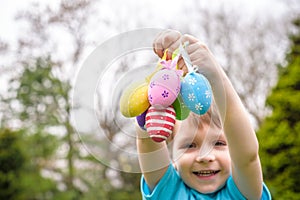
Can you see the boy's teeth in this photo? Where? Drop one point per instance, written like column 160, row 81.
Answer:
column 205, row 173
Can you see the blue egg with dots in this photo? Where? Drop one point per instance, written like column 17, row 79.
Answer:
column 196, row 93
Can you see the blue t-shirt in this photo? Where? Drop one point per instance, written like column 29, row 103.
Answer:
column 172, row 187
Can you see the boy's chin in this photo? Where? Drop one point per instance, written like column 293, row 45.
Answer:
column 209, row 188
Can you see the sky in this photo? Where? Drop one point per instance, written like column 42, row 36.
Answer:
column 9, row 29
column 8, row 9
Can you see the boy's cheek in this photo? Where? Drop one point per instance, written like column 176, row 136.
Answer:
column 176, row 154
column 180, row 157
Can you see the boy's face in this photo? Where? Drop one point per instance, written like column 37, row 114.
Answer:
column 204, row 169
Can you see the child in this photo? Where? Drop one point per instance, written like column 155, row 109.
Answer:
column 230, row 169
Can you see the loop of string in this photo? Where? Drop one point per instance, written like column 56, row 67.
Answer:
column 186, row 57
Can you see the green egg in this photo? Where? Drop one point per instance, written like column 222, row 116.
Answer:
column 182, row 111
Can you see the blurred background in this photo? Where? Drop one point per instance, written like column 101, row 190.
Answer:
column 43, row 44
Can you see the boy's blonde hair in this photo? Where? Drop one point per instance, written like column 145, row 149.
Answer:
column 211, row 118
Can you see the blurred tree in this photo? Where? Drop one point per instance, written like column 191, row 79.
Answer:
column 42, row 102
column 37, row 103
column 245, row 48
column 71, row 18
column 131, row 188
column 279, row 135
column 38, row 148
column 50, row 29
column 11, row 164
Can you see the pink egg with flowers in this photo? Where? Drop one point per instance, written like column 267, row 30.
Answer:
column 163, row 88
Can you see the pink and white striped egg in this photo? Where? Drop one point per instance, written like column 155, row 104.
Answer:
column 160, row 123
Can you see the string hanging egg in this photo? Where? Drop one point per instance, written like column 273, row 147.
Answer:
column 195, row 88
column 166, row 96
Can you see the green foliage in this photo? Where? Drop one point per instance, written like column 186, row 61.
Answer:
column 35, row 186
column 131, row 188
column 11, row 164
column 279, row 135
column 125, row 195
column 39, row 102
column 22, row 157
column 42, row 96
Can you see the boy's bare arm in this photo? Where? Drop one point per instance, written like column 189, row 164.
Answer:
column 242, row 141
column 153, row 158
column 243, row 145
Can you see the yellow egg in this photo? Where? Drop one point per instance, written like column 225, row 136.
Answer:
column 134, row 100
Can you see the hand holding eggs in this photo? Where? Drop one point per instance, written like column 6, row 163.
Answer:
column 164, row 97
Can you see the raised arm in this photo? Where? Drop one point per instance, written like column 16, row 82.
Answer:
column 242, row 141
column 153, row 158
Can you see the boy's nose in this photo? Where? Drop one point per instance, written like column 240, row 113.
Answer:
column 208, row 157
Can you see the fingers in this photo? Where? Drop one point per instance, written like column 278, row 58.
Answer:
column 181, row 65
column 194, row 43
column 172, row 42
column 198, row 52
column 157, row 45
column 169, row 39
column 188, row 38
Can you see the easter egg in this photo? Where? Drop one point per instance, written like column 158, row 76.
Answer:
column 196, row 93
column 134, row 100
column 141, row 120
column 182, row 111
column 163, row 88
column 160, row 123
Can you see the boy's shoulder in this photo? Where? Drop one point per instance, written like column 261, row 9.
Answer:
column 172, row 187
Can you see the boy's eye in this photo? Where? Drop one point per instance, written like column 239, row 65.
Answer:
column 190, row 146
column 220, row 143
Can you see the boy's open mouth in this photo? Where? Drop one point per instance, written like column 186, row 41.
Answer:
column 206, row 172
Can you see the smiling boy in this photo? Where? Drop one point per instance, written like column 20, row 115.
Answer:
column 215, row 156
column 205, row 170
